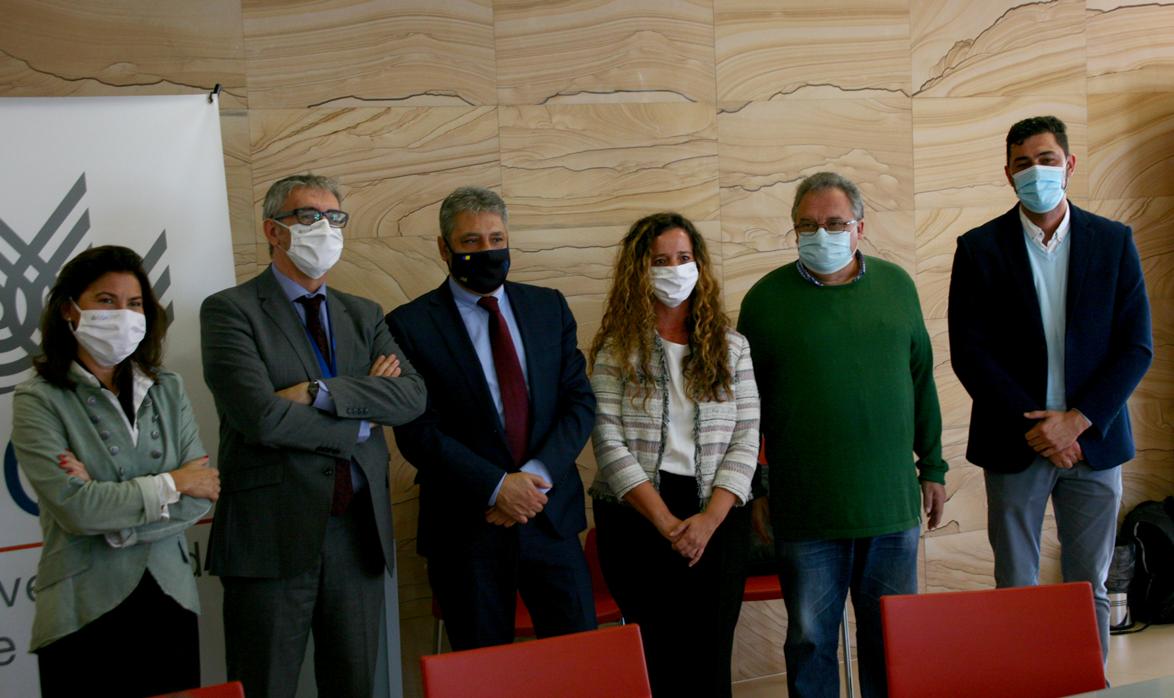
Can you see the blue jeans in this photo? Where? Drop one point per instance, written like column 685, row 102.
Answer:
column 1085, row 502
column 816, row 577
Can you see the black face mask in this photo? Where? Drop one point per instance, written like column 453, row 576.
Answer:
column 480, row 272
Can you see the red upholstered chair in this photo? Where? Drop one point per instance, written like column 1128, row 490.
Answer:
column 606, row 608
column 232, row 689
column 1028, row 642
column 604, row 662
column 762, row 587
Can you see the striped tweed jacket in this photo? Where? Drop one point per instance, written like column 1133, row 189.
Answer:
column 630, row 432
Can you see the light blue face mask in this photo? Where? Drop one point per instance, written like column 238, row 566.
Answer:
column 825, row 253
column 1040, row 188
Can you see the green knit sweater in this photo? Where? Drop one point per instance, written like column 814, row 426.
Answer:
column 845, row 376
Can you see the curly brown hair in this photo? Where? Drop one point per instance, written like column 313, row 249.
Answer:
column 629, row 322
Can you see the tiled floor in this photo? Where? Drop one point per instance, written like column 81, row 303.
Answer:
column 1138, row 657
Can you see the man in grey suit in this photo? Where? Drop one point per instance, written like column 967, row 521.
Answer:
column 303, row 377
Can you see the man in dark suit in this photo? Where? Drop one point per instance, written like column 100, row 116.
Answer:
column 1049, row 333
column 303, row 376
column 509, row 409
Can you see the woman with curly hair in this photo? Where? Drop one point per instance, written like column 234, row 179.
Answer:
column 676, row 441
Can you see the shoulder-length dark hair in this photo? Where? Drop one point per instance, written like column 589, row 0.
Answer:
column 58, row 345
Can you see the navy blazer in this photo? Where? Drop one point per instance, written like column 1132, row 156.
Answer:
column 458, row 445
column 997, row 344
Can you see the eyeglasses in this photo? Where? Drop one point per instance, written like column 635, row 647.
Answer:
column 310, row 216
column 834, row 225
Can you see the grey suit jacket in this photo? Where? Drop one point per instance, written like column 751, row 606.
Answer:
column 277, row 457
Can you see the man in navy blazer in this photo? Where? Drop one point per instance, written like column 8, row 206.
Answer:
column 509, row 410
column 1050, row 334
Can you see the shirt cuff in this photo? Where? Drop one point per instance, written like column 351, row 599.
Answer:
column 364, row 431
column 165, row 485
column 121, row 539
column 537, row 467
column 324, row 401
column 493, row 497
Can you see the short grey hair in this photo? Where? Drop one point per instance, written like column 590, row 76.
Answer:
column 469, row 200
column 830, row 180
column 280, row 191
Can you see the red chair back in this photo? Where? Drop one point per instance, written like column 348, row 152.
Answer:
column 606, row 608
column 1029, row 642
column 604, row 662
column 232, row 689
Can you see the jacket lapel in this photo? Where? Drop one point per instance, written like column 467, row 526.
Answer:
column 350, row 358
column 1079, row 243
column 451, row 329
column 1014, row 250
column 279, row 310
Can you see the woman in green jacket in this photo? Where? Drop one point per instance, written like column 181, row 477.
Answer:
column 108, row 441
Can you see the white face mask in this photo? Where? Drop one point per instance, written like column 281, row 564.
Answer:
column 109, row 336
column 314, row 249
column 672, row 286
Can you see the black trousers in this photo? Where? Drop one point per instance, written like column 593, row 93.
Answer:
column 477, row 591
column 687, row 615
column 146, row 645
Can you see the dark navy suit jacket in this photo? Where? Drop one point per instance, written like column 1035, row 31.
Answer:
column 458, row 446
column 997, row 344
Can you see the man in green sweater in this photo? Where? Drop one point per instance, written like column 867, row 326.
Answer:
column 845, row 374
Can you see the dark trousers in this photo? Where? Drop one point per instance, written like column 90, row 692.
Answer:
column 267, row 622
column 687, row 615
column 146, row 645
column 477, row 591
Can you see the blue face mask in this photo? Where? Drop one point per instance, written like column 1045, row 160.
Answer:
column 825, row 253
column 1040, row 188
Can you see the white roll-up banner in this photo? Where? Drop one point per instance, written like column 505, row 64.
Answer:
column 143, row 172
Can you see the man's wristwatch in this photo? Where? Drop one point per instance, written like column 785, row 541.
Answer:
column 312, row 390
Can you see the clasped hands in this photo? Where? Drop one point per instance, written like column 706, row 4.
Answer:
column 384, row 367
column 1054, row 436
column 520, row 499
column 689, row 536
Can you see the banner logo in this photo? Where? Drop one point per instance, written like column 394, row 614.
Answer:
column 28, row 268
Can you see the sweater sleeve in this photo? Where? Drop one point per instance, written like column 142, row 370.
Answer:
column 618, row 467
column 737, row 468
column 927, row 413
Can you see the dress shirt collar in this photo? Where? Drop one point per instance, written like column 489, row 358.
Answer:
column 292, row 289
column 806, row 273
column 465, row 297
column 1036, row 233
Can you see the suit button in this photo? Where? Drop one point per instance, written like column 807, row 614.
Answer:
column 328, row 471
column 103, row 435
column 94, row 419
column 114, row 450
column 156, row 454
column 154, row 434
column 91, row 400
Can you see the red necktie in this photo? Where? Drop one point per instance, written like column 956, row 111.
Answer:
column 344, row 489
column 510, row 382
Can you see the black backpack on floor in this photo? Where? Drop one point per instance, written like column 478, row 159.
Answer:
column 1150, row 526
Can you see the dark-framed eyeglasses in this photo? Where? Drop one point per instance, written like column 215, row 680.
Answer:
column 834, row 225
column 309, row 216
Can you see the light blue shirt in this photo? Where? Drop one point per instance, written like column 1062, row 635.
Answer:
column 1049, row 273
column 324, row 401
column 476, row 320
